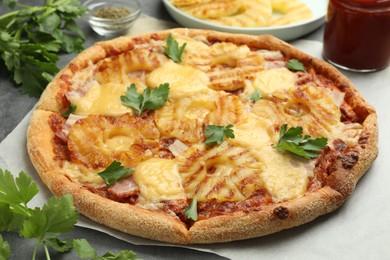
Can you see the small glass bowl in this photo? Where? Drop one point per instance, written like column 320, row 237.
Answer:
column 111, row 27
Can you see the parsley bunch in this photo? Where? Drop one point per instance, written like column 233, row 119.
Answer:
column 31, row 37
column 45, row 224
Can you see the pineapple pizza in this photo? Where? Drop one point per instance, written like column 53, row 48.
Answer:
column 193, row 136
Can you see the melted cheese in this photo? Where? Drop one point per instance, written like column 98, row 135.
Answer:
column 284, row 179
column 159, row 180
column 270, row 81
column 102, row 100
column 183, row 81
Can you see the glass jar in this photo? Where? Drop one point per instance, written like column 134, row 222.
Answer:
column 357, row 34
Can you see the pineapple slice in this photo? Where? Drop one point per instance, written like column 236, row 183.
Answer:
column 253, row 13
column 96, row 141
column 291, row 11
column 103, row 99
column 159, row 180
column 307, row 106
column 270, row 81
column 196, row 53
column 232, row 65
column 246, row 136
column 184, row 118
column 229, row 110
column 184, row 81
column 285, row 178
column 222, row 173
column 117, row 69
column 188, row 2
column 213, row 9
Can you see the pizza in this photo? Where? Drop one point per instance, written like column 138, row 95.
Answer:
column 193, row 136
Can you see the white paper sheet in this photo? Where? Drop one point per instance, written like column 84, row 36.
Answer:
column 360, row 229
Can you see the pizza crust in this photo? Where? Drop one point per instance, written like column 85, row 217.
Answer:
column 134, row 220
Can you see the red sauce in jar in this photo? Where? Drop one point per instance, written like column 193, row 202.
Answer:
column 357, row 34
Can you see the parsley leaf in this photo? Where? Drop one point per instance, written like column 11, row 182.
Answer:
column 305, row 146
column 70, row 110
column 57, row 216
column 255, row 95
column 114, row 172
column 17, row 193
column 215, row 134
column 84, row 249
column 151, row 99
column 191, row 212
column 5, row 249
column 295, row 65
column 172, row 50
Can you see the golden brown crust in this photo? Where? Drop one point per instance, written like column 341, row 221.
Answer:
column 339, row 184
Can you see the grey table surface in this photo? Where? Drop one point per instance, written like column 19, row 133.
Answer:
column 14, row 107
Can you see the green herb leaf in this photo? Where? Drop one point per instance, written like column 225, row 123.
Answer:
column 151, row 99
column 57, row 216
column 191, row 212
column 70, row 110
column 172, row 50
column 84, row 249
column 60, row 245
column 114, row 172
column 122, row 255
column 9, row 221
column 215, row 134
column 31, row 37
column 255, row 95
column 305, row 146
column 5, row 249
column 295, row 65
column 17, row 193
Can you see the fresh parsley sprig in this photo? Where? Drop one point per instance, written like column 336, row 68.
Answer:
column 45, row 224
column 172, row 50
column 151, row 99
column 31, row 37
column 191, row 212
column 70, row 110
column 114, row 172
column 255, row 95
column 296, row 65
column 305, row 146
column 215, row 134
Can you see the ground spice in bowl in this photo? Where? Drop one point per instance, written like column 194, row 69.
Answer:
column 112, row 12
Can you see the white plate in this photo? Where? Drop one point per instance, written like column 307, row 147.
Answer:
column 286, row 32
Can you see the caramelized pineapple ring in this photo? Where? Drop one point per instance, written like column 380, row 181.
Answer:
column 213, row 9
column 253, row 13
column 307, row 106
column 291, row 11
column 188, row 2
column 222, row 173
column 232, row 65
column 184, row 117
column 124, row 67
column 96, row 141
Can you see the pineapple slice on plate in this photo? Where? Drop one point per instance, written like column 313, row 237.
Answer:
column 253, row 13
column 213, row 9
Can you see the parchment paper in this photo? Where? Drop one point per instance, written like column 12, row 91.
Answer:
column 360, row 229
